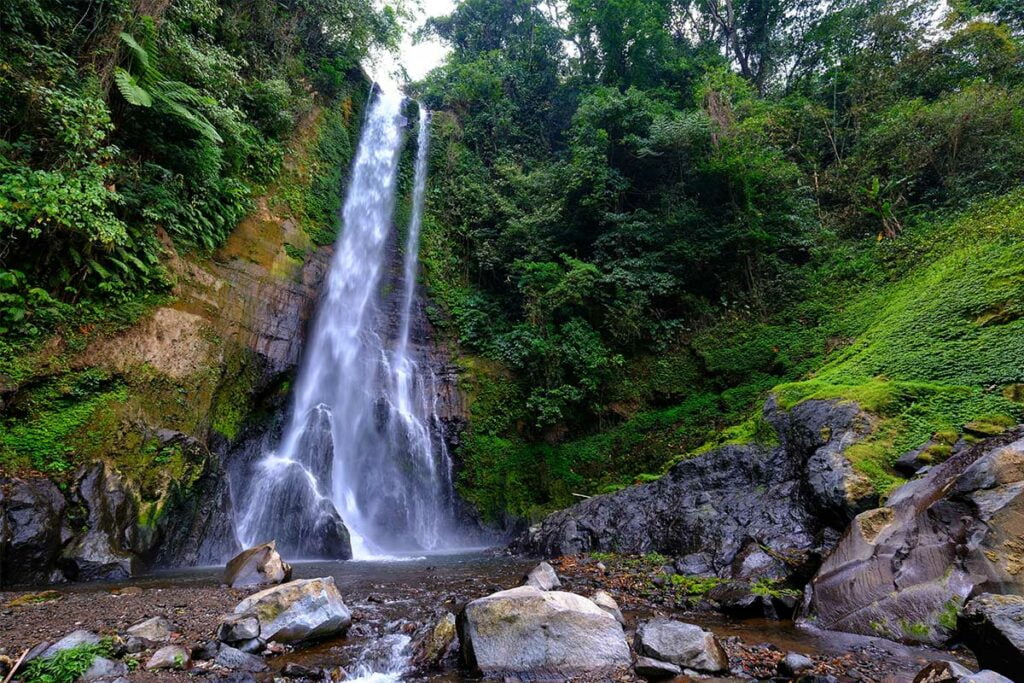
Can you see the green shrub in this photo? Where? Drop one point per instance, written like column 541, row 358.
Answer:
column 65, row 666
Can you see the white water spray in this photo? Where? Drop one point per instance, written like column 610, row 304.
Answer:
column 362, row 438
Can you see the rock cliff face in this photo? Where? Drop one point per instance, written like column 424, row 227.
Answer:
column 798, row 511
column 746, row 511
column 904, row 570
column 206, row 380
column 195, row 369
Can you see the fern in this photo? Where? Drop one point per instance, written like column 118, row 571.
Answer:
column 130, row 89
column 146, row 86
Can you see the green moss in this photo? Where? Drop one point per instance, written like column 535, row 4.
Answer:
column 294, row 252
column 685, row 585
column 989, row 425
column 39, row 429
column 770, row 588
column 915, row 630
column 34, row 598
column 234, row 398
column 949, row 614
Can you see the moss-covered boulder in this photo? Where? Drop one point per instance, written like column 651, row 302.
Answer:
column 302, row 610
column 31, row 530
column 904, row 570
column 527, row 630
column 745, row 511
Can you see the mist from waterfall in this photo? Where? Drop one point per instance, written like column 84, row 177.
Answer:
column 362, row 445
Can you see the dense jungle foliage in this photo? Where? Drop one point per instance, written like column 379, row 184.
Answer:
column 646, row 214
column 128, row 123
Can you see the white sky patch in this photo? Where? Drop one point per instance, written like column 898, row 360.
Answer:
column 412, row 61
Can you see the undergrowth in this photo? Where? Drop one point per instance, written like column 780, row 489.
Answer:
column 67, row 665
column 925, row 331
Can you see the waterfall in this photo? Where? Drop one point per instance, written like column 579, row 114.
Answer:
column 361, row 462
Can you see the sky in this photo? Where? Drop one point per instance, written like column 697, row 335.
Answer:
column 417, row 59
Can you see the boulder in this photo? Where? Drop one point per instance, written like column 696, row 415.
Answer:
column 795, row 663
column 993, row 627
column 196, row 523
column 71, row 640
column 237, row 627
column 257, row 566
column 438, row 642
column 685, row 645
column 543, row 577
column 232, row 658
column 205, row 651
column 653, row 669
column 608, row 604
column 32, row 530
column 153, row 630
column 170, row 657
column 293, row 670
column 952, row 672
column 942, row 672
column 105, row 549
column 794, row 499
column 103, row 669
column 525, row 630
column 133, row 645
column 252, row 645
column 903, row 570
column 300, row 610
column 985, row 676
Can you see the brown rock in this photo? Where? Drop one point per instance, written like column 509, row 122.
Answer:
column 257, row 566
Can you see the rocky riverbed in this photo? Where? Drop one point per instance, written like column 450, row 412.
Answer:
column 396, row 606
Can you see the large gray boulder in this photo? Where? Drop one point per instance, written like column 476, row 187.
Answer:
column 103, row 669
column 685, row 645
column 235, row 659
column 527, row 630
column 153, row 630
column 305, row 609
column 105, row 549
column 32, row 530
column 993, row 627
column 606, row 602
column 69, row 642
column 170, row 657
column 904, row 570
column 719, row 511
column 543, row 576
column 257, row 566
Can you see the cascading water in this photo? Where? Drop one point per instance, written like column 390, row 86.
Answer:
column 362, row 438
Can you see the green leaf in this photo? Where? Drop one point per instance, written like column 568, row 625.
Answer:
column 140, row 52
column 130, row 89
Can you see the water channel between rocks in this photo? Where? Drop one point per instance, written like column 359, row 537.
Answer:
column 390, row 601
